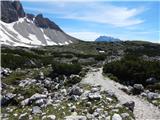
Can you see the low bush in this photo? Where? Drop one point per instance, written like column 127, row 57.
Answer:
column 66, row 69
column 131, row 70
column 28, row 91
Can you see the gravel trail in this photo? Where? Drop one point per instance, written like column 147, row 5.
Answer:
column 143, row 110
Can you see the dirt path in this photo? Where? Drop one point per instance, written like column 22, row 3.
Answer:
column 143, row 110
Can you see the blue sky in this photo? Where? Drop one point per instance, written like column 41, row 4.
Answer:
column 127, row 20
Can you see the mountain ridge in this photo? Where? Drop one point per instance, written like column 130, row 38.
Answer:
column 107, row 39
column 24, row 29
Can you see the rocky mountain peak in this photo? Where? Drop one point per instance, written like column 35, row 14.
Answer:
column 107, row 39
column 18, row 7
column 11, row 11
column 42, row 22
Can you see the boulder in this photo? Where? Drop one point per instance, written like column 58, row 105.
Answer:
column 138, row 88
column 36, row 110
column 40, row 102
column 152, row 96
column 76, row 91
column 130, row 105
column 37, row 96
column 116, row 117
column 94, row 96
column 151, row 80
column 7, row 99
column 75, row 117
column 25, row 102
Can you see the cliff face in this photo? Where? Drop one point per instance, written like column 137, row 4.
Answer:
column 11, row 11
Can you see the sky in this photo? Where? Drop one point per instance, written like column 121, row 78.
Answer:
column 126, row 20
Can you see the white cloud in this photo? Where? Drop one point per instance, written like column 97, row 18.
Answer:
column 107, row 14
column 98, row 12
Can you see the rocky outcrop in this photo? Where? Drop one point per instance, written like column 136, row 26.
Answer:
column 18, row 7
column 11, row 11
column 42, row 22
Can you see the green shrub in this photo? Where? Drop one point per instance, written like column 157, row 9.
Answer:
column 100, row 57
column 14, row 77
column 73, row 80
column 28, row 91
column 66, row 69
column 133, row 70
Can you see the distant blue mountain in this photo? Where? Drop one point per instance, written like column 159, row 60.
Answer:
column 107, row 39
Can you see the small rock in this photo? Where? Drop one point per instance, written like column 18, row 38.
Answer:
column 37, row 96
column 76, row 91
column 94, row 89
column 75, row 117
column 40, row 102
column 116, row 117
column 94, row 96
column 22, row 116
column 25, row 102
column 130, row 105
column 152, row 96
column 51, row 117
column 125, row 115
column 151, row 80
column 36, row 110
column 138, row 88
column 6, row 99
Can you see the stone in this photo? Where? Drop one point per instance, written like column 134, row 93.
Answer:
column 96, row 114
column 37, row 96
column 51, row 117
column 94, row 96
column 6, row 99
column 152, row 96
column 143, row 94
column 40, row 102
column 151, row 80
column 124, row 115
column 130, row 105
column 138, row 88
column 88, row 104
column 36, row 110
column 41, row 75
column 25, row 102
column 73, row 108
column 116, row 117
column 76, row 91
column 77, row 117
column 94, row 89
column 74, row 97
column 22, row 116
column 26, row 82
column 110, row 93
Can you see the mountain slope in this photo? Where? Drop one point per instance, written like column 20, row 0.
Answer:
column 107, row 39
column 21, row 29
